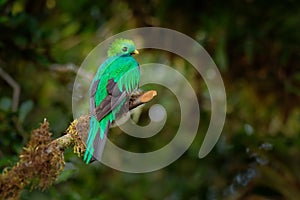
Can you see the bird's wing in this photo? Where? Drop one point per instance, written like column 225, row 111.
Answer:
column 111, row 101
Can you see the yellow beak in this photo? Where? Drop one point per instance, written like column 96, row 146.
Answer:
column 136, row 52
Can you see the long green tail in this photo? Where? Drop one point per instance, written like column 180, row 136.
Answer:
column 99, row 129
column 95, row 128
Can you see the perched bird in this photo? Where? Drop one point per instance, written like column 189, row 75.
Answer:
column 117, row 77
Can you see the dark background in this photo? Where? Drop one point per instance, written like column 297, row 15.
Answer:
column 254, row 43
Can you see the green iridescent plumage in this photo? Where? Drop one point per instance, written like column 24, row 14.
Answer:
column 115, row 79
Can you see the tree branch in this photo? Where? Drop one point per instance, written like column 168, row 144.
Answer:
column 15, row 86
column 42, row 160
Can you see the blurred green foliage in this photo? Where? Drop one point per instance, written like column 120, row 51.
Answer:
column 256, row 47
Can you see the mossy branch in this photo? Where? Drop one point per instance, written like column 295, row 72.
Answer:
column 42, row 159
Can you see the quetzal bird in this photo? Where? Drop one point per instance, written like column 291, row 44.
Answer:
column 117, row 77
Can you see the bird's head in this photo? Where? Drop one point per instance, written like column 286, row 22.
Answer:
column 121, row 47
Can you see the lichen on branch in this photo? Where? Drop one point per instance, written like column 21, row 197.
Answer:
column 39, row 164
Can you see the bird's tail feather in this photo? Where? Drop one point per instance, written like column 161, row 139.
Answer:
column 99, row 142
column 96, row 138
column 94, row 128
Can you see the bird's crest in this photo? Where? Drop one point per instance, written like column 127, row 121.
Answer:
column 120, row 47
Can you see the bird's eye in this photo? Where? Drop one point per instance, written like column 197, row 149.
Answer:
column 124, row 49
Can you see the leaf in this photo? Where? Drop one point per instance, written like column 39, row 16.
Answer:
column 5, row 103
column 2, row 2
column 221, row 54
column 68, row 172
column 25, row 108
